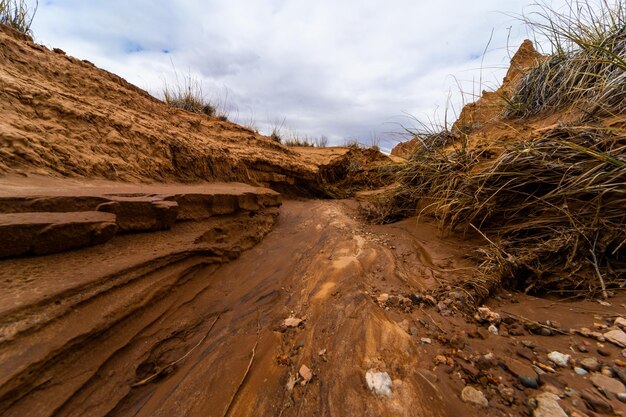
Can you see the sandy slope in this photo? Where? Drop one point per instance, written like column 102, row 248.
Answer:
column 62, row 116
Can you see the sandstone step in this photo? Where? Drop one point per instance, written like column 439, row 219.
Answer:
column 138, row 207
column 44, row 233
column 141, row 213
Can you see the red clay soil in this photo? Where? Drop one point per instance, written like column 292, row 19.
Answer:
column 189, row 335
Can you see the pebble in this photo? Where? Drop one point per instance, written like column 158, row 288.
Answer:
column 544, row 331
column 493, row 329
column 383, row 298
column 379, row 382
column 426, row 340
column 617, row 337
column 548, row 406
column 606, row 370
column 484, row 314
column 474, row 396
column 620, row 322
column 559, row 359
column 292, row 322
column 413, row 330
column 529, row 382
column 580, row 371
column 590, row 364
column 306, row 374
column 622, row 397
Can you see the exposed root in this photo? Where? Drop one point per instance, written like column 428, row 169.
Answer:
column 163, row 370
column 245, row 375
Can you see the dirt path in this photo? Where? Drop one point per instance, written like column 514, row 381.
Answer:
column 215, row 343
column 318, row 264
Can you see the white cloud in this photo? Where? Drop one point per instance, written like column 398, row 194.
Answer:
column 340, row 68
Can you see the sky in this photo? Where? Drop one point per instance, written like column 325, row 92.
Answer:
column 345, row 69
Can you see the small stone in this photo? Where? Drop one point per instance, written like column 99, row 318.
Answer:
column 291, row 383
column 548, row 406
column 582, row 348
column 306, row 374
column 474, row 396
column 529, row 344
column 590, row 364
column 383, row 298
column 484, row 314
column 394, row 300
column 603, row 352
column 529, row 382
column 292, row 322
column 580, row 371
column 620, row 322
column 379, row 382
column 413, row 330
column 493, row 329
column 607, row 371
column 559, row 359
column 622, row 397
column 426, row 340
column 606, row 384
column 544, row 331
column 321, row 352
column 507, row 394
column 617, row 337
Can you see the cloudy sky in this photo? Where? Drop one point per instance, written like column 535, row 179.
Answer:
column 340, row 68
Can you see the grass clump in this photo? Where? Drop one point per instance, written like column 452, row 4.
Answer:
column 188, row 95
column 17, row 14
column 305, row 141
column 552, row 209
column 587, row 66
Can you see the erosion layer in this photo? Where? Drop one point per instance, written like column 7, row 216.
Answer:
column 64, row 117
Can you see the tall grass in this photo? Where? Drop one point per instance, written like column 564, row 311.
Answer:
column 551, row 208
column 17, row 14
column 587, row 64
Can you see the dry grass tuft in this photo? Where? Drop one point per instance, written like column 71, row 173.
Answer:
column 17, row 14
column 588, row 64
column 188, row 95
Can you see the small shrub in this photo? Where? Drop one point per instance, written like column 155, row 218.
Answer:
column 16, row 14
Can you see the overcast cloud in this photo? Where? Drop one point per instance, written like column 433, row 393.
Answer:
column 340, row 68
